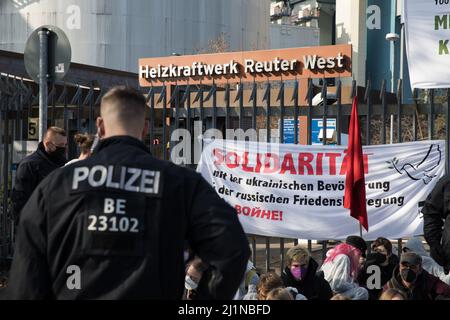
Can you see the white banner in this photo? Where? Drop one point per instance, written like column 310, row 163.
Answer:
column 427, row 24
column 294, row 191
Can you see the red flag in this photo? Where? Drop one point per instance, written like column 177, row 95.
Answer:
column 355, row 185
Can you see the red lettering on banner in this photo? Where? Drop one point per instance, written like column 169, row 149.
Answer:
column 304, row 160
column 332, row 163
column 228, row 160
column 276, row 163
column 288, row 164
column 258, row 163
column 256, row 212
column 307, row 163
column 219, row 156
column 319, row 168
column 245, row 166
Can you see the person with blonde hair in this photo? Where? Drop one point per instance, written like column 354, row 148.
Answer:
column 279, row 294
column 300, row 273
column 340, row 297
column 393, row 294
column 267, row 282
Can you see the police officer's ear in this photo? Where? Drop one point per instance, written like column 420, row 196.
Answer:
column 100, row 127
column 146, row 129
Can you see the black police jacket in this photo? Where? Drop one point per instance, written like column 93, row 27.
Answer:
column 437, row 222
column 30, row 172
column 114, row 227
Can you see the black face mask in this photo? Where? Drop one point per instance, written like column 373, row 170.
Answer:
column 408, row 275
column 59, row 152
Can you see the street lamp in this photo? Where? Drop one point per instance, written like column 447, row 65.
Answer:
column 392, row 37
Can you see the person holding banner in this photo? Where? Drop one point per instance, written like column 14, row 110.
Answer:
column 342, row 266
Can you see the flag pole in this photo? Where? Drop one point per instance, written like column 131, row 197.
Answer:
column 360, row 230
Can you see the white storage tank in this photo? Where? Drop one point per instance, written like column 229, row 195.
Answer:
column 116, row 33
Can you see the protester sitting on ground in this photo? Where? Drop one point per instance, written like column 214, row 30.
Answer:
column 84, row 142
column 342, row 266
column 267, row 282
column 279, row 294
column 366, row 279
column 384, row 246
column 428, row 263
column 416, row 282
column 251, row 277
column 393, row 294
column 300, row 273
column 194, row 274
column 340, row 297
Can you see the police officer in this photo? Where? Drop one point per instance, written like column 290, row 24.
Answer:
column 114, row 226
column 436, row 223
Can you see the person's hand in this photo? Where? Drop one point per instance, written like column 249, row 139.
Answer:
column 438, row 254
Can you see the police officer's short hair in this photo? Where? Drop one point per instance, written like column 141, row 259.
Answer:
column 130, row 104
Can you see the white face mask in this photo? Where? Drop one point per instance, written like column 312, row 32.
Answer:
column 190, row 284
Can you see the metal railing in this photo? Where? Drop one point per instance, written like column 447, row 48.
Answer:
column 250, row 106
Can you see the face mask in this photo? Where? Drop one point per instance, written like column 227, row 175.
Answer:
column 408, row 275
column 298, row 272
column 190, row 284
column 59, row 152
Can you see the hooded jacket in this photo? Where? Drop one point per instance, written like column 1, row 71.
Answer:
column 311, row 286
column 119, row 221
column 428, row 263
column 426, row 287
column 337, row 274
column 30, row 172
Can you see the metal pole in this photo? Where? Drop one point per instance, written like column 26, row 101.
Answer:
column 43, row 78
column 391, row 133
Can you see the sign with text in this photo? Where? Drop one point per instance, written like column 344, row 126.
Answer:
column 427, row 24
column 311, row 62
column 317, row 131
column 33, row 128
column 295, row 191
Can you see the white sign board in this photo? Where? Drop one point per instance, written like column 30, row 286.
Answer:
column 427, row 24
column 294, row 191
column 21, row 149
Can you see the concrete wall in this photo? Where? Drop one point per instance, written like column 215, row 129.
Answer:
column 115, row 33
column 326, row 23
column 289, row 36
column 351, row 29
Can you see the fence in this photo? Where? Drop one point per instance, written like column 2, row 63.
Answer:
column 249, row 106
